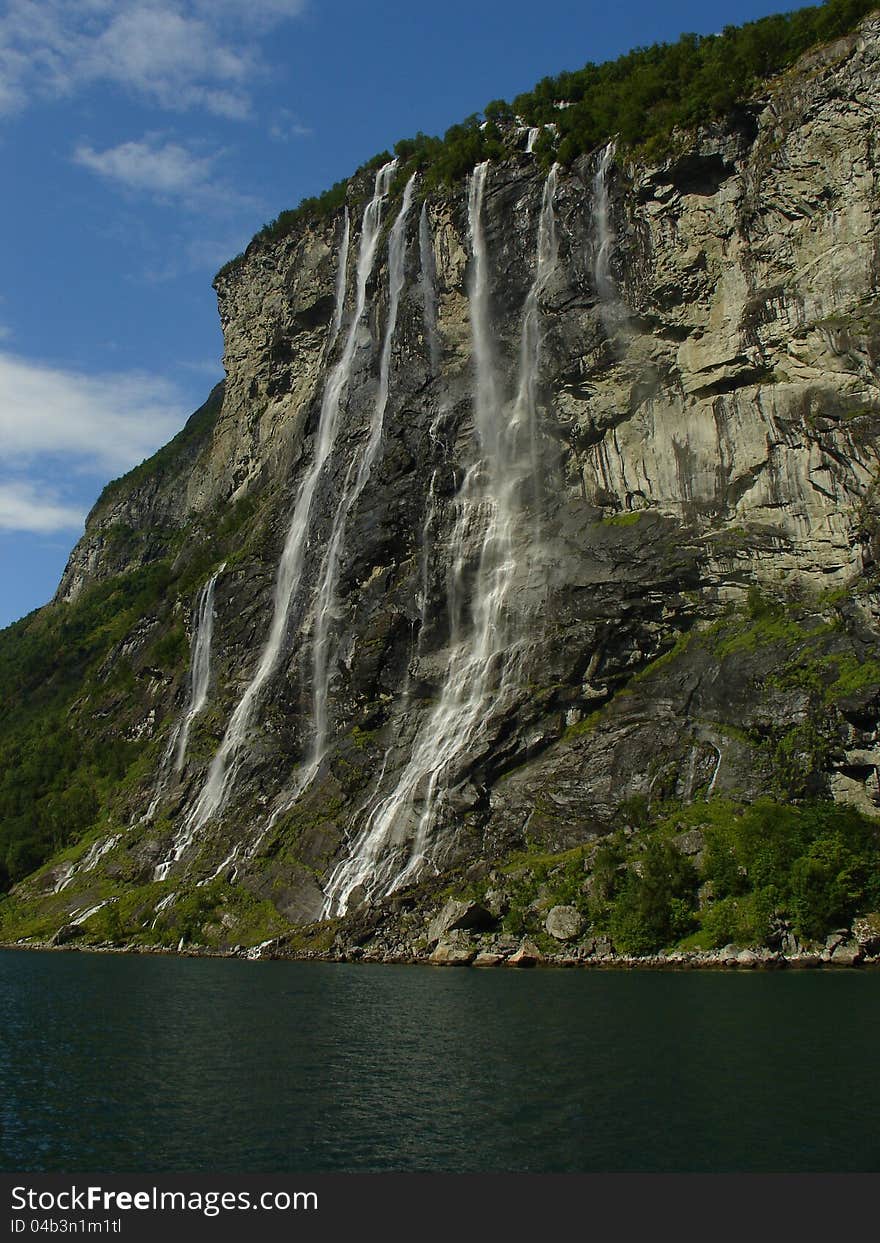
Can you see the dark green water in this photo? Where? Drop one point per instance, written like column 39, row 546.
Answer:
column 123, row 1064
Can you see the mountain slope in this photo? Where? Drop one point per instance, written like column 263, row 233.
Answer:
column 530, row 510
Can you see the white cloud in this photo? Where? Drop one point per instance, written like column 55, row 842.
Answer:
column 96, row 424
column 171, row 57
column 168, row 172
column 179, row 54
column 285, row 127
column 25, row 506
column 169, row 169
column 64, row 434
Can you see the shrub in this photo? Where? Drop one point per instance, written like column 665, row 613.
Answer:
column 654, row 906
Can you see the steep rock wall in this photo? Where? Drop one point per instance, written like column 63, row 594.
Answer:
column 708, row 415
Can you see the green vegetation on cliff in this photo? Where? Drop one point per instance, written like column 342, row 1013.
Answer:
column 171, row 456
column 640, row 99
column 703, row 876
column 67, row 681
column 60, row 770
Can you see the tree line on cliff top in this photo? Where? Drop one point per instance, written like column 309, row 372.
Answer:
column 640, row 99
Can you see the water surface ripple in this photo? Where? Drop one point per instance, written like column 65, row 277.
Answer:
column 138, row 1064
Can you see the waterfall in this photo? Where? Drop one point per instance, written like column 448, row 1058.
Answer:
column 605, row 240
column 428, row 282
column 89, row 860
column 525, row 420
column 200, row 666
column 199, row 679
column 323, row 648
column 532, row 138
column 224, row 766
column 488, row 634
column 341, row 279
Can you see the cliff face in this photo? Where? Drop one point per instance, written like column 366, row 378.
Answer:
column 573, row 495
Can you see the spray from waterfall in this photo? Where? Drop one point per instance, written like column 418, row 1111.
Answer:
column 489, row 610
column 227, row 759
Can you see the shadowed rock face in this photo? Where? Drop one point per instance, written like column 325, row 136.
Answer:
column 708, row 421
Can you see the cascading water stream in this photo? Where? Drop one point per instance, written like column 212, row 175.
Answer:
column 488, row 639
column 200, row 666
column 224, row 766
column 341, row 279
column 428, row 283
column 199, row 681
column 323, row 647
column 525, row 420
column 605, row 240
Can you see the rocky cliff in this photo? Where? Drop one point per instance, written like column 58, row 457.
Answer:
column 528, row 511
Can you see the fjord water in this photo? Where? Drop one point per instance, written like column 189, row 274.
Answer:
column 124, row 1064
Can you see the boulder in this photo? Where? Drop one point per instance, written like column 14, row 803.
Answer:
column 496, row 902
column 847, row 955
column 690, row 843
column 453, row 953
column 747, row 958
column 805, row 960
column 457, row 915
column 486, row 958
column 564, row 923
column 528, row 955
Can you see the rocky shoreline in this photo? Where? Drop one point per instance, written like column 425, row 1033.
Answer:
column 526, row 956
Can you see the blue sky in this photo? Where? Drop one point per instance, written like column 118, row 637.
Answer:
column 145, row 141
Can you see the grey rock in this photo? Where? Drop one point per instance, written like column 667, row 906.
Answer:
column 564, row 923
column 460, row 915
column 747, row 958
column 457, row 953
column 485, row 958
column 528, row 955
column 690, row 843
column 847, row 954
column 496, row 902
